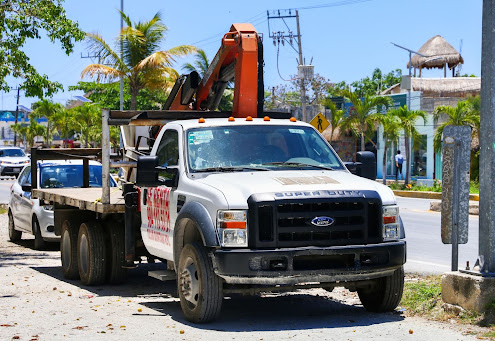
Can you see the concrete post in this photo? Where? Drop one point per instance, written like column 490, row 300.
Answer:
column 487, row 141
column 105, row 156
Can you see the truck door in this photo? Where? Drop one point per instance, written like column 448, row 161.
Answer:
column 159, row 209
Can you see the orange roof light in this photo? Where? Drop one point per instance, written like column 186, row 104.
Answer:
column 231, row 119
column 266, row 118
column 249, row 118
column 293, row 119
column 201, row 120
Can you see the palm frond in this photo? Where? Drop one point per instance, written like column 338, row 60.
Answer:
column 107, row 72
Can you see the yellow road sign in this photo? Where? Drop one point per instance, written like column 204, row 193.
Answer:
column 320, row 122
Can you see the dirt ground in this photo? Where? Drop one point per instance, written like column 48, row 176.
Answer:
column 37, row 303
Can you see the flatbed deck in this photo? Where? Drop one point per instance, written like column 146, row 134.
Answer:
column 83, row 198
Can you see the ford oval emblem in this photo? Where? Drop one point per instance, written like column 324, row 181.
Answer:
column 322, row 221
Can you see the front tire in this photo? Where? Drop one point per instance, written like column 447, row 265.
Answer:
column 385, row 294
column 68, row 250
column 39, row 243
column 14, row 235
column 91, row 253
column 200, row 289
column 117, row 273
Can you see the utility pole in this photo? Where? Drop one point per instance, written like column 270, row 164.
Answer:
column 16, row 113
column 121, row 55
column 303, row 71
column 487, row 140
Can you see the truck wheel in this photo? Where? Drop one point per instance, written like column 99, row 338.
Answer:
column 116, row 254
column 39, row 243
column 385, row 294
column 91, row 253
column 200, row 289
column 68, row 250
column 14, row 235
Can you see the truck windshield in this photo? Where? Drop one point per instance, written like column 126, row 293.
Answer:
column 260, row 147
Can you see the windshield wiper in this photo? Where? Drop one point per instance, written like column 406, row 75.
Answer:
column 296, row 164
column 229, row 169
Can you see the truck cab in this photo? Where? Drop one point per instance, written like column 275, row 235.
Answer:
column 250, row 204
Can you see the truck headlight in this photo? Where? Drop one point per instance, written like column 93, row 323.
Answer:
column 391, row 226
column 232, row 228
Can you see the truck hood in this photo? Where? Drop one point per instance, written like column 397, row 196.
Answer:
column 238, row 187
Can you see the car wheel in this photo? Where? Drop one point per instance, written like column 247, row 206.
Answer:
column 91, row 253
column 385, row 294
column 68, row 250
column 200, row 289
column 39, row 243
column 14, row 235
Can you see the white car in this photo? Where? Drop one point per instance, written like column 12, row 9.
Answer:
column 12, row 160
column 27, row 215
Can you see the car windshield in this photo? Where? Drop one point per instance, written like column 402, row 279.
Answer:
column 11, row 152
column 261, row 147
column 58, row 176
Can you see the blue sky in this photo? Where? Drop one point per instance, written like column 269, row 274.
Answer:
column 344, row 42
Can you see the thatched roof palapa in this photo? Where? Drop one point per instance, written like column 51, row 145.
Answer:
column 438, row 52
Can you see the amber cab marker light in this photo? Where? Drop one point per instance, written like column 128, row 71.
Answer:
column 293, row 119
column 201, row 120
column 249, row 118
column 231, row 119
column 266, row 118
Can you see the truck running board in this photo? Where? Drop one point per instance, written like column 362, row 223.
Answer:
column 163, row 275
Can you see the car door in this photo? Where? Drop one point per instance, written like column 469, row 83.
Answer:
column 25, row 202
column 160, row 203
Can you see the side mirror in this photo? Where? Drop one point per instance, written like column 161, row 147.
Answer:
column 147, row 173
column 365, row 165
column 26, row 187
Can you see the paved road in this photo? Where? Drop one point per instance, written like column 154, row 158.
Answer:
column 425, row 251
column 5, row 183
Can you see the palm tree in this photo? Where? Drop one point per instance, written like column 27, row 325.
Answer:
column 48, row 109
column 464, row 114
column 408, row 120
column 391, row 131
column 337, row 118
column 88, row 121
column 64, row 122
column 27, row 133
column 142, row 63
column 361, row 120
column 200, row 65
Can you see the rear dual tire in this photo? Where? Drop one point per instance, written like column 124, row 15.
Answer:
column 91, row 252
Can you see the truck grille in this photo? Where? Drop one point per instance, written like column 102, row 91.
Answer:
column 287, row 222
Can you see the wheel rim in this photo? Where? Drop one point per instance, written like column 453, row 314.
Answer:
column 66, row 249
column 189, row 282
column 84, row 253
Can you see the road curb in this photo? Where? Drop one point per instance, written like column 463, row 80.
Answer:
column 429, row 195
column 474, row 207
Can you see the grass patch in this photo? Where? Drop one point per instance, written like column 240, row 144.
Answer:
column 3, row 210
column 474, row 187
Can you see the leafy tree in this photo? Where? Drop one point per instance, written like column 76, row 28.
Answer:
column 200, row 65
column 378, row 82
column 48, row 109
column 408, row 120
column 21, row 20
column 464, row 114
column 107, row 95
column 361, row 119
column 391, row 131
column 142, row 64
column 337, row 119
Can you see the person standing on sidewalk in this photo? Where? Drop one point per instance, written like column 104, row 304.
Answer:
column 399, row 160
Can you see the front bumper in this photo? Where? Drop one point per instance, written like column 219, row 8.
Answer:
column 11, row 169
column 291, row 266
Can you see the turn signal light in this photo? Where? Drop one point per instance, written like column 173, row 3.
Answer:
column 233, row 225
column 389, row 220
